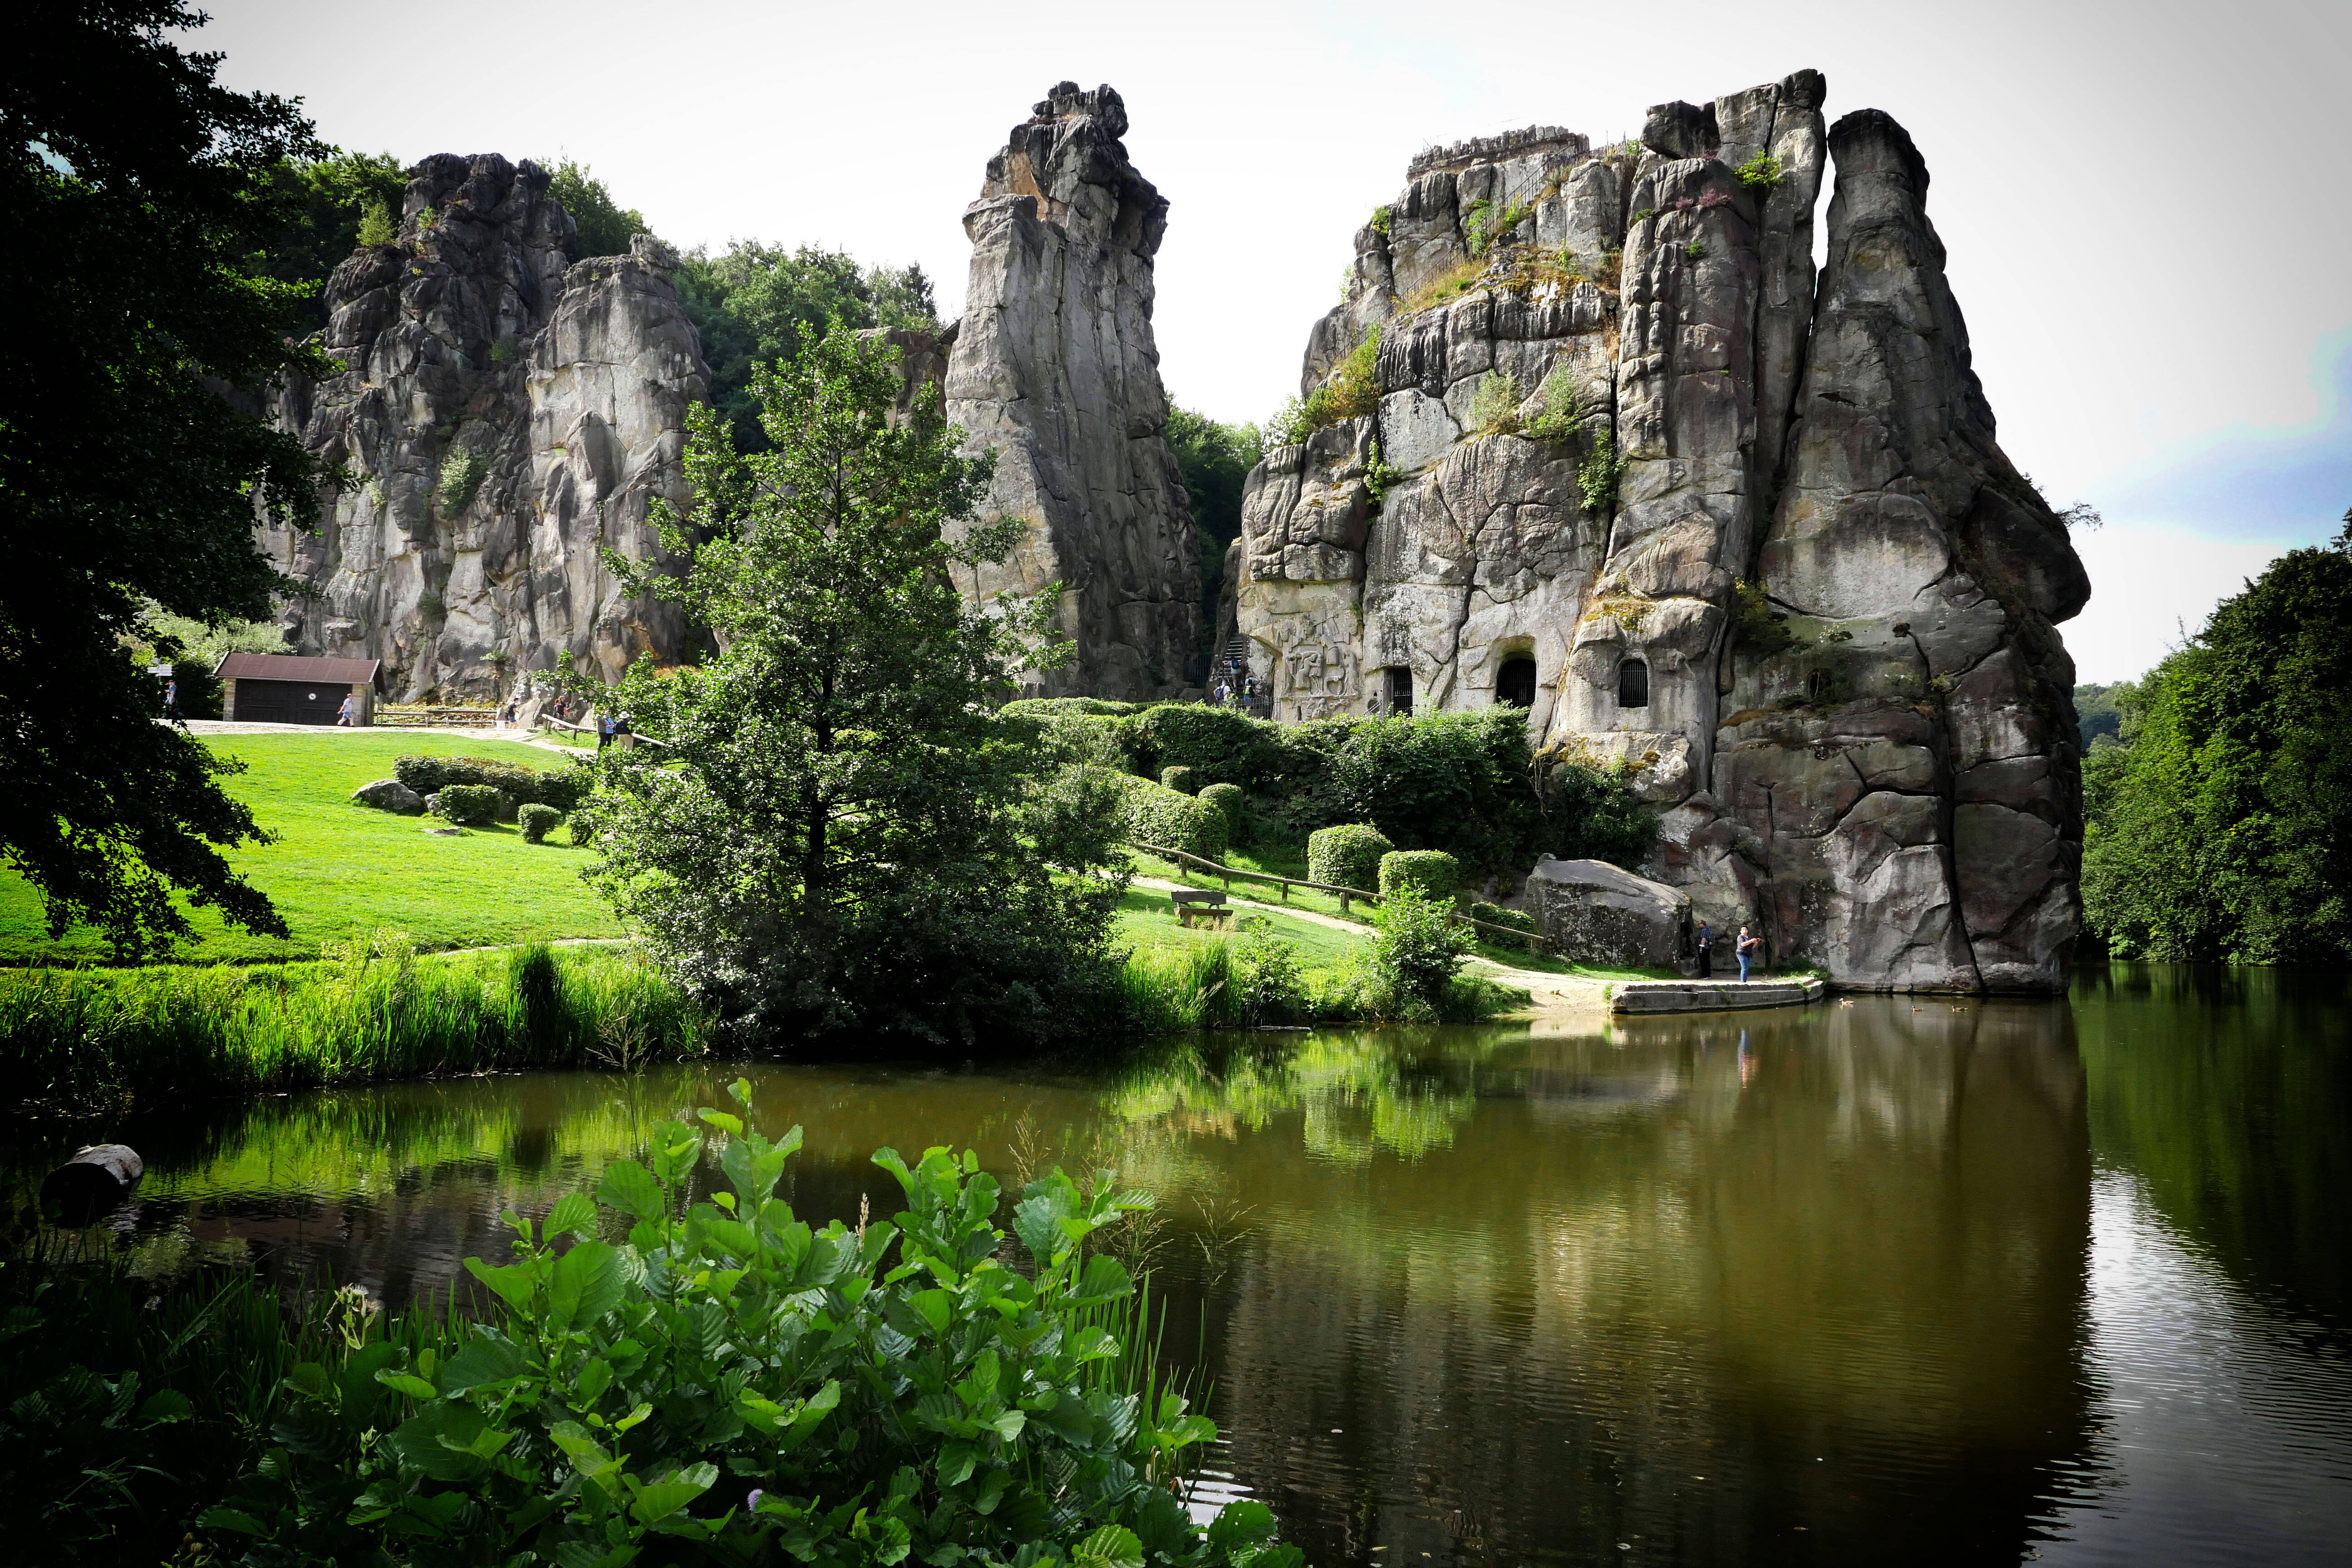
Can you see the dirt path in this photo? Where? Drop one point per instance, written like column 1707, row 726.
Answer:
column 1548, row 993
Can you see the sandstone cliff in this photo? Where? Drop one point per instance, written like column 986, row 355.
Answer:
column 1745, row 532
column 507, row 414
column 1054, row 365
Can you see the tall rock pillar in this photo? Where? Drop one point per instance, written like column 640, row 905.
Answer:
column 1054, row 366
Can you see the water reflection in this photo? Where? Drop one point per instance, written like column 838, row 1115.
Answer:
column 1881, row 1279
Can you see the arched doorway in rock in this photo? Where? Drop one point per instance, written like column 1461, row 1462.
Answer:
column 1632, row 684
column 1515, row 683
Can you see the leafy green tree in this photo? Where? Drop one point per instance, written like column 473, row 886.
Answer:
column 144, row 190
column 1215, row 461
column 1417, row 948
column 337, row 202
column 840, row 833
column 605, row 228
column 760, row 303
column 2221, row 826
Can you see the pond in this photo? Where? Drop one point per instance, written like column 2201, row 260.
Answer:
column 1888, row 1279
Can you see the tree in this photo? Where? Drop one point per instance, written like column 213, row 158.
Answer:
column 604, row 226
column 339, row 203
column 1214, row 461
column 2221, row 825
column 145, row 191
column 759, row 303
column 839, row 832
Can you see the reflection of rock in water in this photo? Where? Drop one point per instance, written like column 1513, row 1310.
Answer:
column 1847, row 1292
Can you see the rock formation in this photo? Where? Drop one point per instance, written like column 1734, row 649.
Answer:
column 1054, row 365
column 1747, row 533
column 507, row 414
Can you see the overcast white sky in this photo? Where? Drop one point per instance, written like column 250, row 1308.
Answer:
column 2143, row 202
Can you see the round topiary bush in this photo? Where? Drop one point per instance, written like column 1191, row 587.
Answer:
column 1346, row 857
column 537, row 820
column 1434, row 871
column 1179, row 778
column 470, row 806
column 1229, row 799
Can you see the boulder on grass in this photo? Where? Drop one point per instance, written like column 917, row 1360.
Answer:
column 390, row 794
column 1592, row 913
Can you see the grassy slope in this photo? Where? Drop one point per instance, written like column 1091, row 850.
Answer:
column 1146, row 922
column 1509, row 955
column 342, row 869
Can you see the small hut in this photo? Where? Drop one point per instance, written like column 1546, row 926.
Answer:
column 289, row 688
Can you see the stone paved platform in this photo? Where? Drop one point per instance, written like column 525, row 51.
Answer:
column 1713, row 995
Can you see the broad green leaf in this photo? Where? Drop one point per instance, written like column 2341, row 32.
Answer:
column 933, row 1307
column 437, row 1441
column 1112, row 1546
column 514, row 1283
column 586, row 1285
column 1106, row 1280
column 575, row 1213
column 594, row 1379
column 657, row 1500
column 488, row 1357
column 1009, row 1424
column 1242, row 1524
column 307, row 1377
column 956, row 1464
column 631, row 1188
column 405, row 1382
column 170, row 1404
column 731, row 1125
column 218, row 1517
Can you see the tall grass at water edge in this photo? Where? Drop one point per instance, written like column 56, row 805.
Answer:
column 374, row 1009
column 1217, row 985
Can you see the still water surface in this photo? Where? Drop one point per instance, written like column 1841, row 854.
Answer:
column 1882, row 1281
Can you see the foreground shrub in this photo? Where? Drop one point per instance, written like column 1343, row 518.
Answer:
column 1179, row 779
column 1417, row 947
column 564, row 789
column 475, row 805
column 1434, row 871
column 727, row 1384
column 1154, row 814
column 537, row 820
column 1347, row 856
column 1229, row 799
column 1496, row 915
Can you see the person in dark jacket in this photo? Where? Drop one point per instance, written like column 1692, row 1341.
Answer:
column 1705, row 951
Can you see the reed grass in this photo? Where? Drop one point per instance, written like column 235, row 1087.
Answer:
column 374, row 1010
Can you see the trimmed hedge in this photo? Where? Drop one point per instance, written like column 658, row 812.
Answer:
column 536, row 821
column 1154, row 814
column 472, row 805
column 1434, row 871
column 1179, row 779
column 1229, row 799
column 564, row 790
column 1496, row 915
column 1347, row 856
column 1038, row 707
column 1221, row 745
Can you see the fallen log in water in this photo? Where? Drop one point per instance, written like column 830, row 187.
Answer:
column 88, row 1186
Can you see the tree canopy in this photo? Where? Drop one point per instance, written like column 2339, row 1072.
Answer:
column 2221, row 827
column 146, row 192
column 336, row 204
column 757, row 304
column 604, row 226
column 839, row 832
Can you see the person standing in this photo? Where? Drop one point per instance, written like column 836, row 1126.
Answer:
column 172, row 698
column 1749, row 947
column 1705, row 951
column 347, row 716
column 603, row 731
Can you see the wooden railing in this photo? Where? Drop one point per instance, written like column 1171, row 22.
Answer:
column 1532, row 940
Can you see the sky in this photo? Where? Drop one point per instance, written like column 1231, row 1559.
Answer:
column 2140, row 201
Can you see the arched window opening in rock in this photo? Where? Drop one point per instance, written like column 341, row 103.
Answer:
column 1817, row 685
column 1516, row 683
column 1399, row 688
column 1632, row 684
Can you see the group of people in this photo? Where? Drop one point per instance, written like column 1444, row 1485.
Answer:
column 1236, row 687
column 1750, row 948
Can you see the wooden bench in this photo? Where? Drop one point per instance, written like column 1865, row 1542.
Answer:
column 1199, row 904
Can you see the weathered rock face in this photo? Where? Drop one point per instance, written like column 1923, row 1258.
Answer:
column 508, row 415
column 1592, row 913
column 1869, row 749
column 1054, row 365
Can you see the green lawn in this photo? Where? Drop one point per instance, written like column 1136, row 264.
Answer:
column 342, row 869
column 1147, row 922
